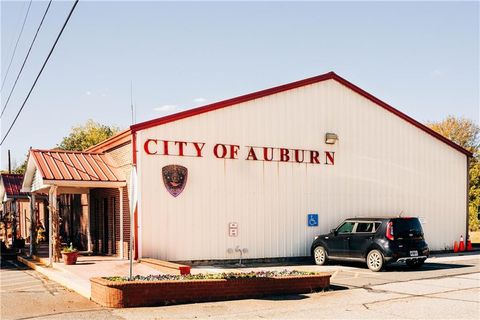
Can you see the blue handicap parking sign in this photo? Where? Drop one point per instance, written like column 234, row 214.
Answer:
column 312, row 220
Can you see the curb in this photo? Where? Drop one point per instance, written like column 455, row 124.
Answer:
column 62, row 277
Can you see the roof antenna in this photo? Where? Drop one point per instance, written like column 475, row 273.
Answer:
column 131, row 102
column 400, row 214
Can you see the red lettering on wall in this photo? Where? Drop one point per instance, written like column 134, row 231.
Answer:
column 297, row 155
column 165, row 147
column 198, row 147
column 329, row 157
column 146, row 146
column 180, row 147
column 284, row 157
column 314, row 156
column 234, row 151
column 224, row 150
column 265, row 154
column 251, row 154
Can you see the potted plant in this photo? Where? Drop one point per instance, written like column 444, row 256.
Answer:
column 69, row 254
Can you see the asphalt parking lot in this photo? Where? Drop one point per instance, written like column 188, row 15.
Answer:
column 357, row 275
column 446, row 287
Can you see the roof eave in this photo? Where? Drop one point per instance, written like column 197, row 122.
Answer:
column 289, row 86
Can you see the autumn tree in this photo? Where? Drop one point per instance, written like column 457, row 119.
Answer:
column 84, row 136
column 465, row 133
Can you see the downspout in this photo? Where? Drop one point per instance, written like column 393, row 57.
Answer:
column 33, row 225
column 135, row 214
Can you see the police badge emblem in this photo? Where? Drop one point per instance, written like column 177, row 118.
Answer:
column 174, row 178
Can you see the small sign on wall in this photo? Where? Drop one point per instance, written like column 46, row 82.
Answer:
column 312, row 219
column 233, row 229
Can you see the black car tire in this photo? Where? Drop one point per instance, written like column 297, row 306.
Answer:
column 319, row 255
column 415, row 264
column 375, row 260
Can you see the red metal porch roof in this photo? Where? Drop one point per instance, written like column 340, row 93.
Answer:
column 12, row 184
column 75, row 166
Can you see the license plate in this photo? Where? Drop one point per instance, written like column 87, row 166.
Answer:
column 414, row 253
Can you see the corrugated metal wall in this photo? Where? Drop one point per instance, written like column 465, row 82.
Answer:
column 383, row 166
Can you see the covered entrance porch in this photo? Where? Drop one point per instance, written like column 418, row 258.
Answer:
column 87, row 201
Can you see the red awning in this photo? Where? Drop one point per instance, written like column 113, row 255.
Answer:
column 76, row 166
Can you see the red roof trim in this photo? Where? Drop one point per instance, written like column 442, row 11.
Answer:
column 229, row 102
column 260, row 94
column 112, row 142
column 401, row 115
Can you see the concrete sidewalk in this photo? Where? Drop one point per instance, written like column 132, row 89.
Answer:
column 77, row 277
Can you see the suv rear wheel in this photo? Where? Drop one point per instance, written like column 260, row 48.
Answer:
column 320, row 255
column 375, row 260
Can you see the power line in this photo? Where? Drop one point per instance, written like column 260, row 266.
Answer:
column 16, row 44
column 25, row 60
column 40, row 72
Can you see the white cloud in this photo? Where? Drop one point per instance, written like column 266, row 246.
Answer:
column 199, row 100
column 166, row 108
column 437, row 73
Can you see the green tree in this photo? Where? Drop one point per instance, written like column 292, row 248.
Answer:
column 465, row 133
column 83, row 136
column 21, row 168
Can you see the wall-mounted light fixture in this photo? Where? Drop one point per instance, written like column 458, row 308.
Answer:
column 331, row 138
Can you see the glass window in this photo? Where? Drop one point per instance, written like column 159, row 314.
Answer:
column 347, row 227
column 364, row 227
column 407, row 227
column 377, row 225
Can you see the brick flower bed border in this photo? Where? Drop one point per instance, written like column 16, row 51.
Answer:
column 121, row 294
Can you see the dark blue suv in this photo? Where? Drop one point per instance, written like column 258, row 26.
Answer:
column 376, row 241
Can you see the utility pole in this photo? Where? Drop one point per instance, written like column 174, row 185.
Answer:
column 9, row 162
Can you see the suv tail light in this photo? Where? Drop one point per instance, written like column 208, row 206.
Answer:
column 389, row 232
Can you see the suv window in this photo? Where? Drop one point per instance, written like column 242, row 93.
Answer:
column 364, row 227
column 407, row 228
column 347, row 227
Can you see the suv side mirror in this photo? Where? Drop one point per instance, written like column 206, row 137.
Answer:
column 335, row 232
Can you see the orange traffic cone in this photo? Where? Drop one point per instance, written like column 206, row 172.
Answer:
column 469, row 244
column 461, row 246
column 455, row 246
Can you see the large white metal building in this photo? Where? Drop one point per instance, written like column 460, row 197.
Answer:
column 247, row 172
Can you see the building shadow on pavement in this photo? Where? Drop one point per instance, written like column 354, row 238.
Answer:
column 402, row 267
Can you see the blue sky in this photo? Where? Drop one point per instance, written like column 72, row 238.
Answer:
column 420, row 57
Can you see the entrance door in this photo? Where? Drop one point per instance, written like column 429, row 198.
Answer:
column 105, row 227
column 361, row 239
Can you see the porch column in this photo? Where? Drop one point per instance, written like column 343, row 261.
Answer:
column 14, row 220
column 33, row 225
column 89, row 236
column 121, row 222
column 52, row 212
